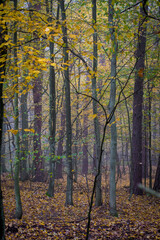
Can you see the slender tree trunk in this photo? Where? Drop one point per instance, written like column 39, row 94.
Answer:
column 144, row 153
column 38, row 159
column 137, row 105
column 52, row 117
column 94, row 95
column 123, row 159
column 60, row 147
column 150, row 134
column 77, row 129
column 18, row 213
column 24, row 145
column 156, row 186
column 3, row 149
column 85, row 146
column 69, row 190
column 113, row 151
column 3, row 54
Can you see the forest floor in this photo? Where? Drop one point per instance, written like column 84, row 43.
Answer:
column 48, row 219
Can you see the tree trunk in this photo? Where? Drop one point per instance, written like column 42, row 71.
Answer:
column 77, row 127
column 18, row 213
column 38, row 163
column 69, row 190
column 113, row 150
column 3, row 149
column 3, row 54
column 60, row 147
column 137, row 105
column 85, row 146
column 24, row 145
column 94, row 95
column 156, row 186
column 150, row 134
column 38, row 159
column 52, row 117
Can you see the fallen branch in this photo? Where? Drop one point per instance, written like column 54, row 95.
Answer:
column 149, row 190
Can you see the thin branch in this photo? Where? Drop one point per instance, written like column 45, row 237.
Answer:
column 134, row 5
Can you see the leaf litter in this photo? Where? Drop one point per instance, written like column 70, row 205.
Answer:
column 47, row 218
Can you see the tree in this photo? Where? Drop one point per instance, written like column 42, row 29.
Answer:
column 138, row 102
column 18, row 213
column 3, row 55
column 52, row 112
column 85, row 146
column 37, row 99
column 60, row 146
column 156, row 186
column 69, row 190
column 94, row 95
column 113, row 151
column 24, row 145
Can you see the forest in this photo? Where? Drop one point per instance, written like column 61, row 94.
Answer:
column 79, row 119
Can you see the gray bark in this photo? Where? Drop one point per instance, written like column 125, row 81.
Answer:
column 18, row 213
column 3, row 53
column 95, row 111
column 69, row 190
column 113, row 150
column 3, row 149
column 24, row 145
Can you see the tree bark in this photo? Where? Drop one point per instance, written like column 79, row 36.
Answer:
column 3, row 54
column 60, row 147
column 38, row 159
column 52, row 117
column 94, row 95
column 3, row 149
column 113, row 150
column 69, row 190
column 18, row 213
column 156, row 186
column 137, row 105
column 85, row 146
column 24, row 146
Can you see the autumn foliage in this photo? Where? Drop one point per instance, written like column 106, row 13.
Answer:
column 48, row 218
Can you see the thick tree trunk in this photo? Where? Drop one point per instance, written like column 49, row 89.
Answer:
column 137, row 105
column 113, row 151
column 94, row 95
column 38, row 163
column 52, row 118
column 69, row 190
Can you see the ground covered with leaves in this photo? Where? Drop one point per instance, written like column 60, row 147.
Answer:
column 48, row 219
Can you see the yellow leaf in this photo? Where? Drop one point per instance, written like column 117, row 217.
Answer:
column 92, row 116
column 53, row 64
column 29, row 130
column 6, row 37
column 72, row 36
column 13, row 131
